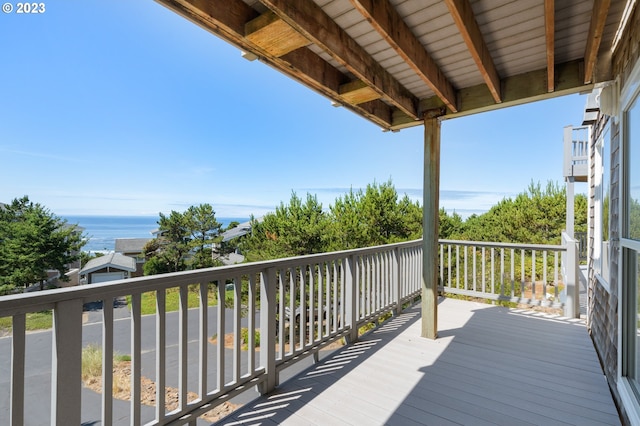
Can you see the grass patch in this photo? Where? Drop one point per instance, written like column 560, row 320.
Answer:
column 172, row 299
column 34, row 321
column 92, row 369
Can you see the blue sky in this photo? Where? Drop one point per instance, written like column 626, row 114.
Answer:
column 125, row 108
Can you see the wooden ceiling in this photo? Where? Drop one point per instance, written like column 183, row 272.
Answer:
column 391, row 61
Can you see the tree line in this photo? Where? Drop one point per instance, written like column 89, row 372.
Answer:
column 33, row 240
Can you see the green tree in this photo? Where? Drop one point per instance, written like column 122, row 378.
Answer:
column 373, row 217
column 32, row 241
column 204, row 230
column 185, row 241
column 294, row 229
column 537, row 215
column 450, row 225
column 174, row 241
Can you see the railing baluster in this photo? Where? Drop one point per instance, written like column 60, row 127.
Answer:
column 534, row 297
column 522, row 272
column 251, row 321
column 303, row 307
column 493, row 272
column 466, row 272
column 318, row 309
column 292, row 310
column 502, row 272
column 182, row 348
column 136, row 358
column 513, row 272
column 484, row 271
column 283, row 316
column 449, row 279
column 336, row 290
column 544, row 275
column 237, row 328
column 220, row 364
column 327, row 307
column 18, row 341
column 457, row 266
column 107, row 360
column 475, row 270
column 555, row 276
column 161, row 353
column 312, row 297
column 203, row 318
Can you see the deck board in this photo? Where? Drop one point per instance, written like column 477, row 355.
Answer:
column 489, row 365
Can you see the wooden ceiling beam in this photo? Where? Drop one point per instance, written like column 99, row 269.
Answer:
column 312, row 22
column 464, row 19
column 227, row 19
column 549, row 32
column 387, row 21
column 517, row 90
column 274, row 35
column 594, row 37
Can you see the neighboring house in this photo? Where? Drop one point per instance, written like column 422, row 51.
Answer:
column 113, row 266
column 242, row 229
column 132, row 247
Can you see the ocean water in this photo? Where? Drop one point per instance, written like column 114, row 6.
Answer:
column 102, row 231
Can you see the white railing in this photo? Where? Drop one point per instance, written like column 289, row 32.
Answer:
column 297, row 305
column 576, row 151
column 321, row 298
column 529, row 274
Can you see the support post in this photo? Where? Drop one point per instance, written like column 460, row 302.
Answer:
column 572, row 303
column 430, row 224
column 570, row 207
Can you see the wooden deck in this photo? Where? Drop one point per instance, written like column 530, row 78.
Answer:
column 490, row 365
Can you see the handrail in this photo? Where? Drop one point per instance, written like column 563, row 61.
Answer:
column 529, row 274
column 337, row 293
column 331, row 295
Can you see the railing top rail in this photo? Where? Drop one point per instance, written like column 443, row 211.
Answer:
column 45, row 299
column 551, row 247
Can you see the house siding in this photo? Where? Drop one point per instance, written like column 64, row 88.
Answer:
column 603, row 302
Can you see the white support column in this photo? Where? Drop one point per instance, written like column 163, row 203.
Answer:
column 430, row 224
column 570, row 207
column 66, row 363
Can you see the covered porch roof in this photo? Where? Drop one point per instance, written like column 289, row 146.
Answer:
column 391, row 61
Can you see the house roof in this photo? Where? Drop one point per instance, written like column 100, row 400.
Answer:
column 111, row 260
column 393, row 61
column 242, row 229
column 130, row 245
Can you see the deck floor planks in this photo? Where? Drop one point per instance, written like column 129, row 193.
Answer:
column 491, row 365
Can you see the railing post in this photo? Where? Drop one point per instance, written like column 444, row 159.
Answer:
column 18, row 343
column 572, row 304
column 66, row 363
column 268, row 330
column 351, row 295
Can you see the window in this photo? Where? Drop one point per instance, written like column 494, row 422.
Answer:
column 601, row 210
column 630, row 238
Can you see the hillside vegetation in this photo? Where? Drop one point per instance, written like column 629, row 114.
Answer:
column 378, row 215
